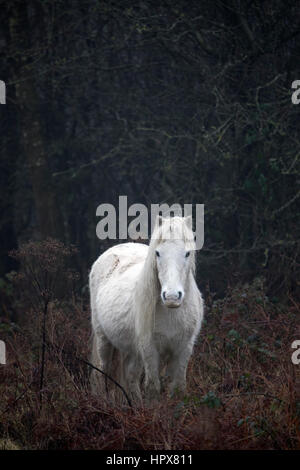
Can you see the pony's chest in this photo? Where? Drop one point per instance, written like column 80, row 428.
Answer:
column 169, row 329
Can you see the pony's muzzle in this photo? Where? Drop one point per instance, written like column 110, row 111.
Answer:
column 172, row 299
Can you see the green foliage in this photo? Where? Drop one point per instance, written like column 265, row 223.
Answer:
column 211, row 400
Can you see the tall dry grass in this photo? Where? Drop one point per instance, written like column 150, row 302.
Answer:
column 243, row 390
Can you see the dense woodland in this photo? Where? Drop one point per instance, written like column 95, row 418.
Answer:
column 186, row 102
column 165, row 102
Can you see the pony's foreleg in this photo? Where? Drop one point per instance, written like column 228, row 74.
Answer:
column 150, row 358
column 132, row 373
column 176, row 369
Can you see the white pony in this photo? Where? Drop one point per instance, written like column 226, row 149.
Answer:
column 146, row 310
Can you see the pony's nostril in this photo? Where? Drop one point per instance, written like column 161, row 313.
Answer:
column 179, row 295
column 164, row 295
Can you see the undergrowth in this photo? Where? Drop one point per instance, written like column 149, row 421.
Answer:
column 243, row 389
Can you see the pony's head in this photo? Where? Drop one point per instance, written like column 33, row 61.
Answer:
column 173, row 248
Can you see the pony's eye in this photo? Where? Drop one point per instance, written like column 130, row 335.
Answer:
column 187, row 254
column 157, row 253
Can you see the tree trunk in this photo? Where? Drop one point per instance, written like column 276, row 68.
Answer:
column 49, row 221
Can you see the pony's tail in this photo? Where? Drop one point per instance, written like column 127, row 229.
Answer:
column 95, row 380
column 103, row 386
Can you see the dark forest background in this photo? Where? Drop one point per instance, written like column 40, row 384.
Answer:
column 168, row 101
column 164, row 102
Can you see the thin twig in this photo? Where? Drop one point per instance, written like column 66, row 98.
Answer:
column 80, row 359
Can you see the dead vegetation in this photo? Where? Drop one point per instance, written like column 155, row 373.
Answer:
column 243, row 390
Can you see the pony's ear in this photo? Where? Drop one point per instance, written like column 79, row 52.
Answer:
column 159, row 220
